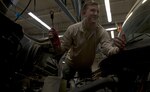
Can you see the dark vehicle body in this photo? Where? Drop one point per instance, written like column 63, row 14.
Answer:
column 137, row 25
column 132, row 66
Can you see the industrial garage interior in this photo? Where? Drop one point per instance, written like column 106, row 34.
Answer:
column 66, row 12
column 28, row 58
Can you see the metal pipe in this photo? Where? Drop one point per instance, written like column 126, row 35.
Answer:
column 77, row 6
column 97, row 84
column 64, row 8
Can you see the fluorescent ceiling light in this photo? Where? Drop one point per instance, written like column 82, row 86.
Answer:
column 144, row 1
column 111, row 29
column 107, row 7
column 112, row 34
column 60, row 36
column 39, row 20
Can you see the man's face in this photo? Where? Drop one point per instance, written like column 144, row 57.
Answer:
column 92, row 13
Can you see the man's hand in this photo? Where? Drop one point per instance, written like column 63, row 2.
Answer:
column 53, row 36
column 50, row 34
column 120, row 41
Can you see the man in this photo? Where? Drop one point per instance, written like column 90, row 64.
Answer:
column 81, row 40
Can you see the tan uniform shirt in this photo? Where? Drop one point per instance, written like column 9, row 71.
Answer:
column 81, row 45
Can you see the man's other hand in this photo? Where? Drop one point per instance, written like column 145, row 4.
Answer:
column 120, row 42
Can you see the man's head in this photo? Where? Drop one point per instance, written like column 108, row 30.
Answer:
column 90, row 11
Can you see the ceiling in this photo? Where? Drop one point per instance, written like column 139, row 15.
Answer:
column 61, row 21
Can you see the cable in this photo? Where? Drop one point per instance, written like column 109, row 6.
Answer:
column 23, row 10
column 34, row 5
column 52, row 17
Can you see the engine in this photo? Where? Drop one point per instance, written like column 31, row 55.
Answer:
column 24, row 62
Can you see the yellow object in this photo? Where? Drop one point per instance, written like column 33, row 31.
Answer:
column 63, row 86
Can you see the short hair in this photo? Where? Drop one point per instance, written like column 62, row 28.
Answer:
column 88, row 3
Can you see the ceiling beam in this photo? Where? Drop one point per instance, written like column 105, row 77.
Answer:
column 77, row 7
column 67, row 12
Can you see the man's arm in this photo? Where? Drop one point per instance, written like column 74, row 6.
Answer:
column 107, row 44
column 112, row 46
